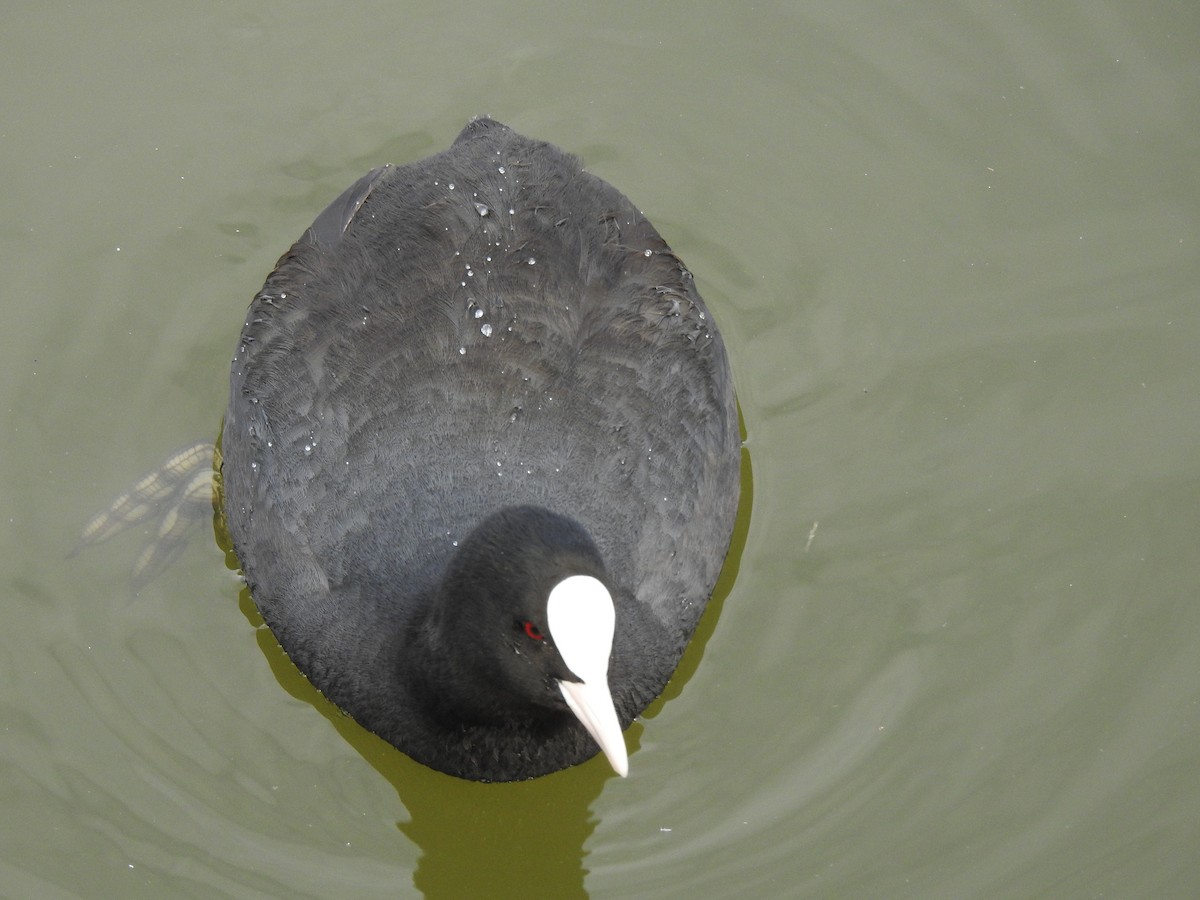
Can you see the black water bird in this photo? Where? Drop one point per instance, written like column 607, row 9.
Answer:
column 481, row 457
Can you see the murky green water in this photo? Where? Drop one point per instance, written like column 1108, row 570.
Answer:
column 954, row 251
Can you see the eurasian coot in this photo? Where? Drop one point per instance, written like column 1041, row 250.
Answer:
column 481, row 457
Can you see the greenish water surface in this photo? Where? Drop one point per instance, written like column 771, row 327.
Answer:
column 953, row 250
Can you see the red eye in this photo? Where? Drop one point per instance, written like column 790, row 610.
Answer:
column 532, row 631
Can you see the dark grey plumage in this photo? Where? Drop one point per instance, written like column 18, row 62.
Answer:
column 484, row 329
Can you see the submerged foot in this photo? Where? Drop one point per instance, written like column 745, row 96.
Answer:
column 178, row 495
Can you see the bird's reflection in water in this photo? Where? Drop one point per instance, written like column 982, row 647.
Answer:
column 520, row 839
